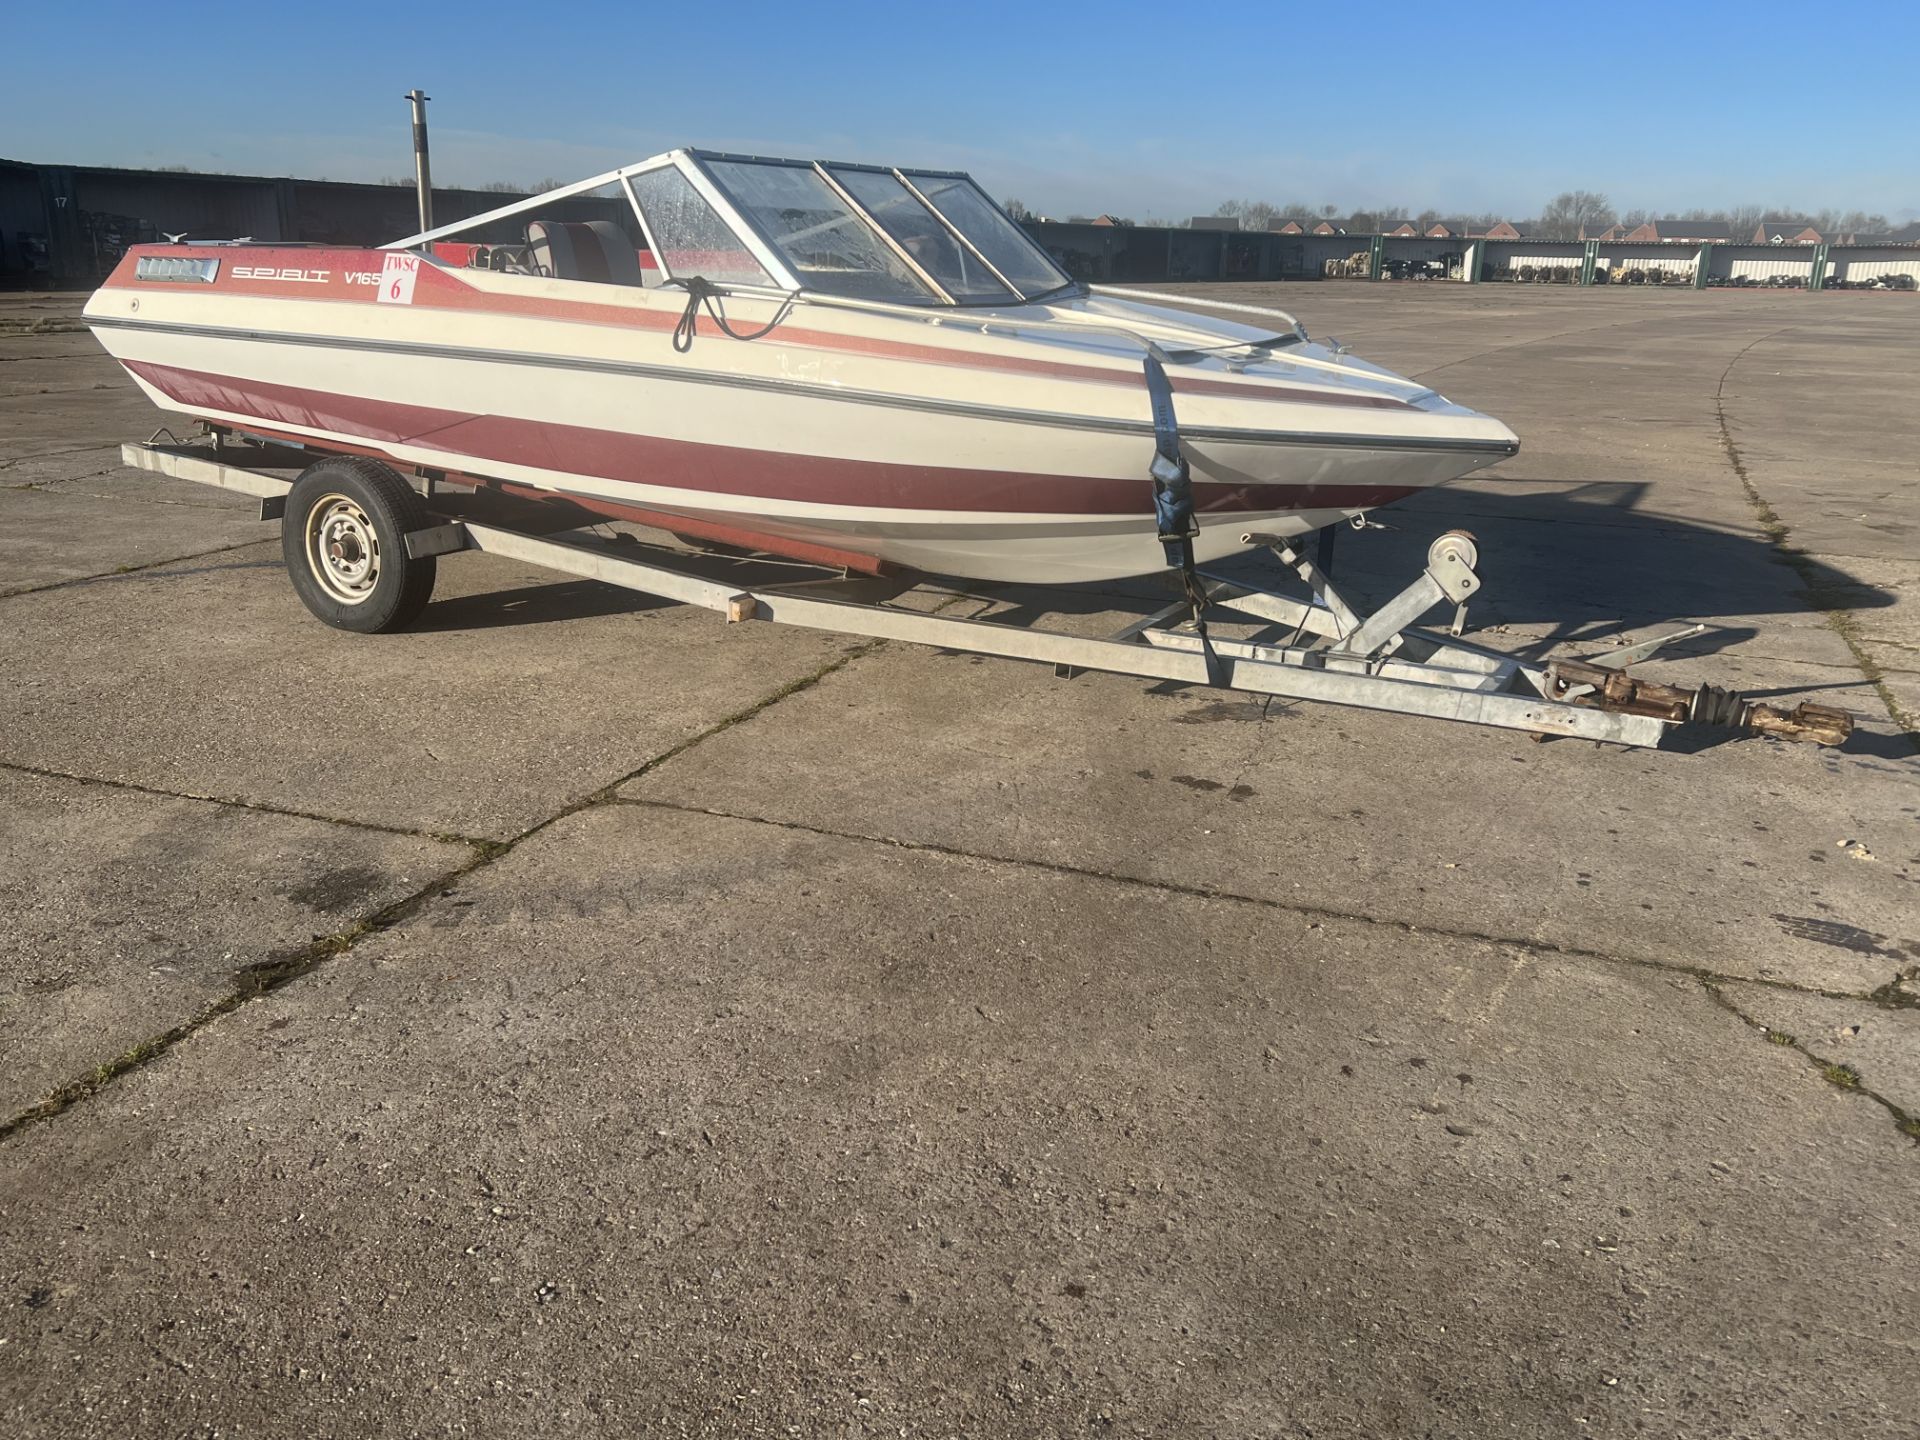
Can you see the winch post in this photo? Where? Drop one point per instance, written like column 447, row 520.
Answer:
column 1448, row 576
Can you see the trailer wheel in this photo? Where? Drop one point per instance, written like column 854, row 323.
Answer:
column 344, row 540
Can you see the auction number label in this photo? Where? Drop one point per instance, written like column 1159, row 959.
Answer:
column 398, row 277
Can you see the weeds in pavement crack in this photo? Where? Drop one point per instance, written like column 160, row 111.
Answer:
column 1824, row 598
column 232, row 803
column 1844, row 1077
column 1840, row 1076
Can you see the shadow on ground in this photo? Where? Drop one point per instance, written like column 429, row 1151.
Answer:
column 1583, row 563
column 534, row 605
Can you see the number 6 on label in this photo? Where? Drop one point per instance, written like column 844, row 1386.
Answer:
column 397, row 277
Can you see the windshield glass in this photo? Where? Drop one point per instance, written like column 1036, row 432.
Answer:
column 689, row 237
column 824, row 243
column 921, row 234
column 1004, row 243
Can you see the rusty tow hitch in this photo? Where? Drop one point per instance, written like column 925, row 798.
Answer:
column 1600, row 688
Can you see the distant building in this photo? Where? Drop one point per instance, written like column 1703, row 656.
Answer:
column 1505, row 230
column 1785, row 232
column 1108, row 220
column 1281, row 226
column 1214, row 222
column 1449, row 230
column 1398, row 227
column 1696, row 231
column 1905, row 235
column 1603, row 232
column 1329, row 227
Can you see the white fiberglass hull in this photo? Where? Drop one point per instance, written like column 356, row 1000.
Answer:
column 964, row 447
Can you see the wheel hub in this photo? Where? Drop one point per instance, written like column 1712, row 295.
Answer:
column 343, row 551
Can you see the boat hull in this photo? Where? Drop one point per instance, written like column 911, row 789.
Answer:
column 1007, row 463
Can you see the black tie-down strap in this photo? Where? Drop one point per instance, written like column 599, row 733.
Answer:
column 1172, row 480
column 1173, row 503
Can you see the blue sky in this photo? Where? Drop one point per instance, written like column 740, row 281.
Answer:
column 1069, row 107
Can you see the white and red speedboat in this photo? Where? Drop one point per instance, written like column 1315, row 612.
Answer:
column 840, row 362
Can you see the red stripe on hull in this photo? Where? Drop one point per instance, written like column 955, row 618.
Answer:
column 722, row 469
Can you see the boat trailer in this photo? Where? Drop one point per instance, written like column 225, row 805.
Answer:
column 1331, row 652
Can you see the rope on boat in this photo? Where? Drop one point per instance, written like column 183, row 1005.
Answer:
column 701, row 291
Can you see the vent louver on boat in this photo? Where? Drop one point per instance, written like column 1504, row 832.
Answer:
column 176, row 267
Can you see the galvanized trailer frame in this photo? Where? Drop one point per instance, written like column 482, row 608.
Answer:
column 1379, row 661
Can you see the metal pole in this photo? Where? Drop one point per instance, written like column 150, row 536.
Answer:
column 1817, row 275
column 422, row 176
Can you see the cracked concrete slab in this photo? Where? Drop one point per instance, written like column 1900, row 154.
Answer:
column 48, row 536
column 55, row 467
column 117, row 483
column 1889, row 633
column 518, row 692
column 126, row 914
column 1878, row 1042
column 50, row 424
column 672, row 1123
column 1807, row 408
column 1896, row 623
column 1682, row 859
column 1900, row 677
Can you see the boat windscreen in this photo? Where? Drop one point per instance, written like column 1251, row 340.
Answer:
column 690, row 238
column 922, row 234
column 1006, row 246
column 826, row 245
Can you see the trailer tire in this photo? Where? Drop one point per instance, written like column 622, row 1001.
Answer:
column 343, row 538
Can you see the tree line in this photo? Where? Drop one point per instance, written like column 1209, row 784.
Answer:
column 1563, row 218
column 1571, row 211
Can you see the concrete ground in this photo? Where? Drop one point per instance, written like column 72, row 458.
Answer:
column 578, row 1015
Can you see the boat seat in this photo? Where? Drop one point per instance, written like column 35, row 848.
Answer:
column 584, row 250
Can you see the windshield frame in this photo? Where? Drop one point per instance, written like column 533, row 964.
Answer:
column 1065, row 281
column 937, row 294
column 828, row 168
column 693, row 165
column 824, row 169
